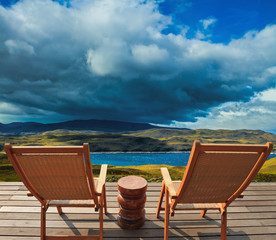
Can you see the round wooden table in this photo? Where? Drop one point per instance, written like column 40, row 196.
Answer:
column 132, row 199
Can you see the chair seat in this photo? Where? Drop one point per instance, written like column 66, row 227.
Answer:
column 189, row 206
column 72, row 203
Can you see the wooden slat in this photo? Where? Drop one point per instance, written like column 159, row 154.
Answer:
column 183, row 224
column 116, row 233
column 47, row 149
column 188, row 215
column 256, row 237
column 232, row 147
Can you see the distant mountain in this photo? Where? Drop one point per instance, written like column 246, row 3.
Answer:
column 92, row 124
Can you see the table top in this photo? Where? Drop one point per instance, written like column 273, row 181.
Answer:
column 132, row 185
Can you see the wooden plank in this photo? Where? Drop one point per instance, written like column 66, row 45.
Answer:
column 182, row 224
column 149, row 232
column 149, row 217
column 251, row 237
column 244, row 237
column 149, row 204
column 260, row 184
column 262, row 209
column 11, row 184
column 13, row 192
column 23, row 209
column 5, row 197
column 9, row 188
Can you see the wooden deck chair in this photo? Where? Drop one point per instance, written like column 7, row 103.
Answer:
column 215, row 176
column 60, row 176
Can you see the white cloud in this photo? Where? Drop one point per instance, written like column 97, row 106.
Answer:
column 268, row 75
column 102, row 60
column 268, row 95
column 257, row 113
column 149, row 54
column 17, row 46
column 204, row 31
column 7, row 108
column 200, row 35
column 208, row 22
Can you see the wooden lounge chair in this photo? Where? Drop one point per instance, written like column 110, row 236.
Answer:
column 60, row 176
column 215, row 176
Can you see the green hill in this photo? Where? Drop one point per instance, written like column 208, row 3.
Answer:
column 182, row 140
column 153, row 140
column 99, row 142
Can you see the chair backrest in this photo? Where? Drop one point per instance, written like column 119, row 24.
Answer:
column 218, row 173
column 54, row 172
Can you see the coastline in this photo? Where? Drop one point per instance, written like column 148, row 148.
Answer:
column 138, row 152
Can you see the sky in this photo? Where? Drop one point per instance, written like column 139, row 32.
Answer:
column 190, row 63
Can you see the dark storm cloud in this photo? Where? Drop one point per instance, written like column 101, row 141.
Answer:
column 109, row 60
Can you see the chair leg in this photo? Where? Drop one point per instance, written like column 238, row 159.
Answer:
column 43, row 223
column 59, row 209
column 105, row 207
column 224, row 225
column 203, row 212
column 101, row 218
column 160, row 199
column 167, row 214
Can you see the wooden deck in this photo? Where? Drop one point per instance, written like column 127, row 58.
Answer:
column 253, row 217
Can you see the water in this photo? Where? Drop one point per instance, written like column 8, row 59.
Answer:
column 136, row 159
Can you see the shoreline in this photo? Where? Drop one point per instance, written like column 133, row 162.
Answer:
column 273, row 153
column 138, row 152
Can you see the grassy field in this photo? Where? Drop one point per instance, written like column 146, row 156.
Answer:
column 154, row 140
column 269, row 166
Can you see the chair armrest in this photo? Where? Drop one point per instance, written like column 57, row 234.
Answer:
column 168, row 182
column 101, row 179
